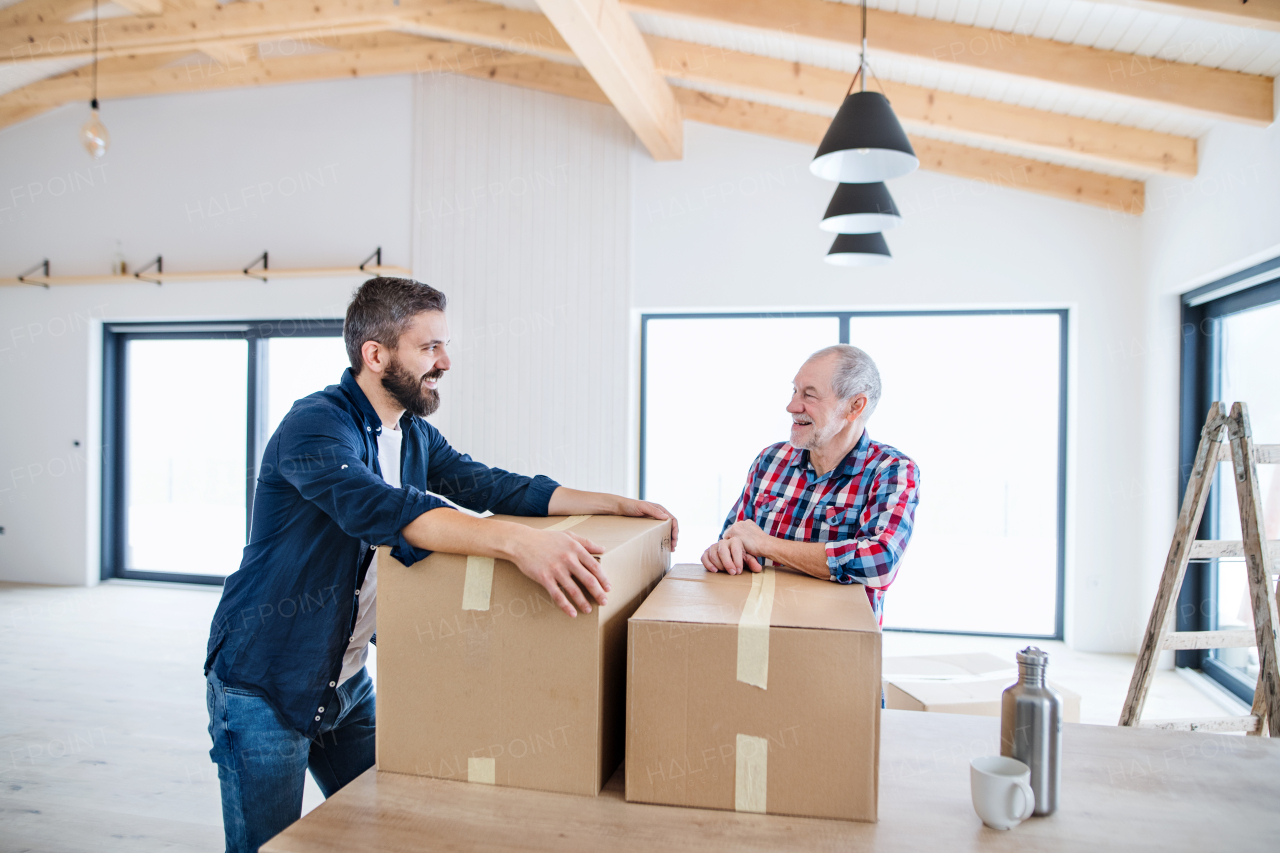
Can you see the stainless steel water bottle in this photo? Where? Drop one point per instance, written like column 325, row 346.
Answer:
column 1031, row 727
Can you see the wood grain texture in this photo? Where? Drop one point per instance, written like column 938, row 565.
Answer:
column 1210, row 92
column 1248, row 724
column 1209, row 549
column 1181, row 640
column 1175, row 565
column 917, row 107
column 26, row 13
column 608, row 44
column 1120, row 787
column 1263, row 454
column 1266, row 621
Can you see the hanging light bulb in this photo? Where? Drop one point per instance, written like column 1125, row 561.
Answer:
column 865, row 142
column 859, row 250
column 861, row 209
column 93, row 134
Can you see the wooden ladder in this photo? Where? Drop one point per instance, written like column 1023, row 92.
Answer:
column 1259, row 555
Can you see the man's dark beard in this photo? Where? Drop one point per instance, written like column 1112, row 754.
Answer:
column 409, row 390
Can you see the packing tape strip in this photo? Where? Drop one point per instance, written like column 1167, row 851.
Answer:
column 477, row 586
column 751, row 774
column 482, row 770
column 753, row 631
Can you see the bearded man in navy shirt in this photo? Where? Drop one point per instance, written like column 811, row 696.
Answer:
column 350, row 468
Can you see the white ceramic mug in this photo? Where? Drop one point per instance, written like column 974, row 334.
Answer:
column 1002, row 794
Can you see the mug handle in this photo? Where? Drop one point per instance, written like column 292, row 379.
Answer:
column 1028, row 800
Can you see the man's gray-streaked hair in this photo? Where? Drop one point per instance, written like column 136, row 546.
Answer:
column 855, row 374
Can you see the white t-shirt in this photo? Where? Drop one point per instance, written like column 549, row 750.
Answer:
column 367, row 619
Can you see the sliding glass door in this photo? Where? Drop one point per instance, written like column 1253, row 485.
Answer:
column 187, row 412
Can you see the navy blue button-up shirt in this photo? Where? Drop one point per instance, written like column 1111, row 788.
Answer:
column 321, row 508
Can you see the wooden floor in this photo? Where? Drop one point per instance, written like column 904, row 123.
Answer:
column 103, row 739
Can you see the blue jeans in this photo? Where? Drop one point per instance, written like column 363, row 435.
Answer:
column 262, row 763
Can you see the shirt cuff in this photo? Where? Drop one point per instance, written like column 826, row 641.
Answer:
column 537, row 496
column 833, row 562
column 415, row 504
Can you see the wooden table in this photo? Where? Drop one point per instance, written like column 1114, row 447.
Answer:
column 1130, row 789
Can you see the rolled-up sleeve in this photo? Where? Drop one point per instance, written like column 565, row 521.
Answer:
column 479, row 488
column 319, row 455
column 870, row 556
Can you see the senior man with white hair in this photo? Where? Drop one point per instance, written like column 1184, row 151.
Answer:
column 830, row 502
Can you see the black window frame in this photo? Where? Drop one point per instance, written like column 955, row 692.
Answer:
column 1202, row 312
column 115, row 339
column 844, row 318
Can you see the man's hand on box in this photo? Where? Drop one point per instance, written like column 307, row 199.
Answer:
column 733, row 553
column 648, row 509
column 566, row 501
column 555, row 559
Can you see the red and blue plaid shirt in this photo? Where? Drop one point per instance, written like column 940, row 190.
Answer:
column 862, row 509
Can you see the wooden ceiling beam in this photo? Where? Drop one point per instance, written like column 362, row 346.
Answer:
column 1200, row 90
column 230, row 23
column 918, row 108
column 990, row 167
column 611, row 48
column 395, row 53
column 28, row 13
column 156, row 74
column 142, row 7
column 1264, row 14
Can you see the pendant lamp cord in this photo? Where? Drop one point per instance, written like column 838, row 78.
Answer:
column 862, row 63
column 94, row 102
column 863, row 68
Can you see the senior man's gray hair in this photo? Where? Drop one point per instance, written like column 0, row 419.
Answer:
column 855, row 374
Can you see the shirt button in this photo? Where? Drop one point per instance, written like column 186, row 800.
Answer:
column 357, row 592
column 353, row 639
column 320, row 709
column 368, row 429
column 317, row 719
column 333, row 684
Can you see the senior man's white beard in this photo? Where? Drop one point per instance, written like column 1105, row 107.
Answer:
column 817, row 439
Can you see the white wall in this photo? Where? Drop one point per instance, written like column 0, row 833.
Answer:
column 523, row 219
column 734, row 226
column 210, row 181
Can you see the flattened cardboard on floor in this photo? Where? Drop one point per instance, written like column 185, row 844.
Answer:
column 514, row 693
column 958, row 684
column 700, row 732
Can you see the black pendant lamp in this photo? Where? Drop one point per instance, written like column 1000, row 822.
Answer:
column 861, row 209
column 865, row 143
column 859, row 250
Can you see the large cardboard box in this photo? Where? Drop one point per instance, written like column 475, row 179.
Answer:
column 738, row 702
column 482, row 678
column 958, row 684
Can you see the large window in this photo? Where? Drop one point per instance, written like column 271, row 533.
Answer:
column 986, row 555
column 188, row 410
column 1231, row 346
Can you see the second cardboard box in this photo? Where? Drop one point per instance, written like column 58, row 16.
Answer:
column 754, row 692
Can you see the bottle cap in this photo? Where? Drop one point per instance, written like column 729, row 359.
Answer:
column 1033, row 656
